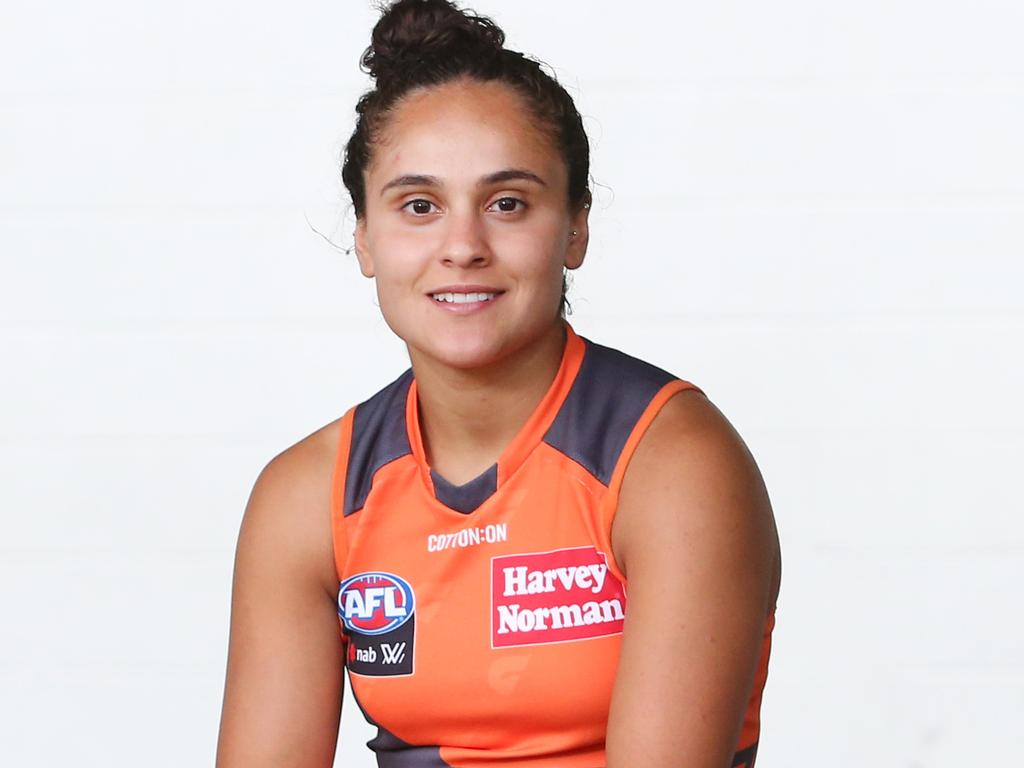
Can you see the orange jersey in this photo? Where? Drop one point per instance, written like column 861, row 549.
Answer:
column 482, row 622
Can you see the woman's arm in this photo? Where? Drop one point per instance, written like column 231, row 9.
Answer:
column 282, row 698
column 695, row 536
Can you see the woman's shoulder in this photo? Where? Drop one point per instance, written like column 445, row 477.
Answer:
column 290, row 502
column 307, row 461
column 688, row 436
column 693, row 478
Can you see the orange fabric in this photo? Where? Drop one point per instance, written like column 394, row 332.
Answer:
column 504, row 670
column 338, row 528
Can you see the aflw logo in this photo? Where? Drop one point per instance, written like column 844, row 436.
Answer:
column 551, row 597
column 390, row 653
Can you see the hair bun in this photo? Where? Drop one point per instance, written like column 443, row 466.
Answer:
column 410, row 30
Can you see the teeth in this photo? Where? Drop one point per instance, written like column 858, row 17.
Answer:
column 462, row 298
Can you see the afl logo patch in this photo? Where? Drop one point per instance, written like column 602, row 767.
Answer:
column 375, row 603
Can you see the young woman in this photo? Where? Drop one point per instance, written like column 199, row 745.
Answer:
column 529, row 549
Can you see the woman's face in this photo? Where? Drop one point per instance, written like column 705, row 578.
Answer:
column 466, row 226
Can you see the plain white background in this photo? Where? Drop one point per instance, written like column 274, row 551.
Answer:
column 812, row 210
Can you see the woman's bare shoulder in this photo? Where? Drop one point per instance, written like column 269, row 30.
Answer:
column 307, row 459
column 291, row 497
column 304, row 468
column 692, row 471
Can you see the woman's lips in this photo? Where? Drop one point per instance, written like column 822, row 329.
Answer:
column 461, row 302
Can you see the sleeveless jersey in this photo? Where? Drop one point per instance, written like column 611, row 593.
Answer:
column 482, row 622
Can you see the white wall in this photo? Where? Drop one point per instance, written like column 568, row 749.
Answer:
column 813, row 210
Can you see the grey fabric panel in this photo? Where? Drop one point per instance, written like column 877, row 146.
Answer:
column 466, row 497
column 392, row 752
column 745, row 757
column 379, row 436
column 605, row 402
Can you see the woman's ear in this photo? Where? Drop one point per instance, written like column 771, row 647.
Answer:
column 362, row 253
column 579, row 236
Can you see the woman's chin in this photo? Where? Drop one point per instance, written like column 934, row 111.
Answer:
column 463, row 351
column 464, row 355
column 467, row 348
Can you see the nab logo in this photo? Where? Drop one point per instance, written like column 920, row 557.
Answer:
column 375, row 603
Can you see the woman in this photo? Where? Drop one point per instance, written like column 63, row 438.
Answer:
column 464, row 541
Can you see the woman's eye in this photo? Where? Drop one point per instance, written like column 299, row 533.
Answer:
column 508, row 204
column 419, row 206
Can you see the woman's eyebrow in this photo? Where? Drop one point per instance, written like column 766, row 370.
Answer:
column 422, row 180
column 512, row 173
column 411, row 180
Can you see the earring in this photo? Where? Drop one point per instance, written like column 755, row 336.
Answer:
column 574, row 233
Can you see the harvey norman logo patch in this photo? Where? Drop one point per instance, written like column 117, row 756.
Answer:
column 554, row 597
column 378, row 613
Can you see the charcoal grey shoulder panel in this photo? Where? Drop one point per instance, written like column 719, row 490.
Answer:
column 610, row 393
column 379, row 437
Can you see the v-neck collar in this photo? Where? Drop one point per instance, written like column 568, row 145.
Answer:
column 468, row 496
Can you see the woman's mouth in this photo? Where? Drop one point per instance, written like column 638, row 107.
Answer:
column 462, row 298
column 469, row 299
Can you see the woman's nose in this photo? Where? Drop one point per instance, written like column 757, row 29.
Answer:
column 465, row 242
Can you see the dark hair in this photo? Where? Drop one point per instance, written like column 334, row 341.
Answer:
column 421, row 43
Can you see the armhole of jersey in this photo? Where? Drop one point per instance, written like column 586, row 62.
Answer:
column 611, row 500
column 339, row 534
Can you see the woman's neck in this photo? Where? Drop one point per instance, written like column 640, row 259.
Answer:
column 469, row 416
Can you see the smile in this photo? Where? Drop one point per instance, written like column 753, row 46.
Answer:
column 462, row 298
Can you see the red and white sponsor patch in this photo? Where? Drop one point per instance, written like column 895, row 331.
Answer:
column 554, row 597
